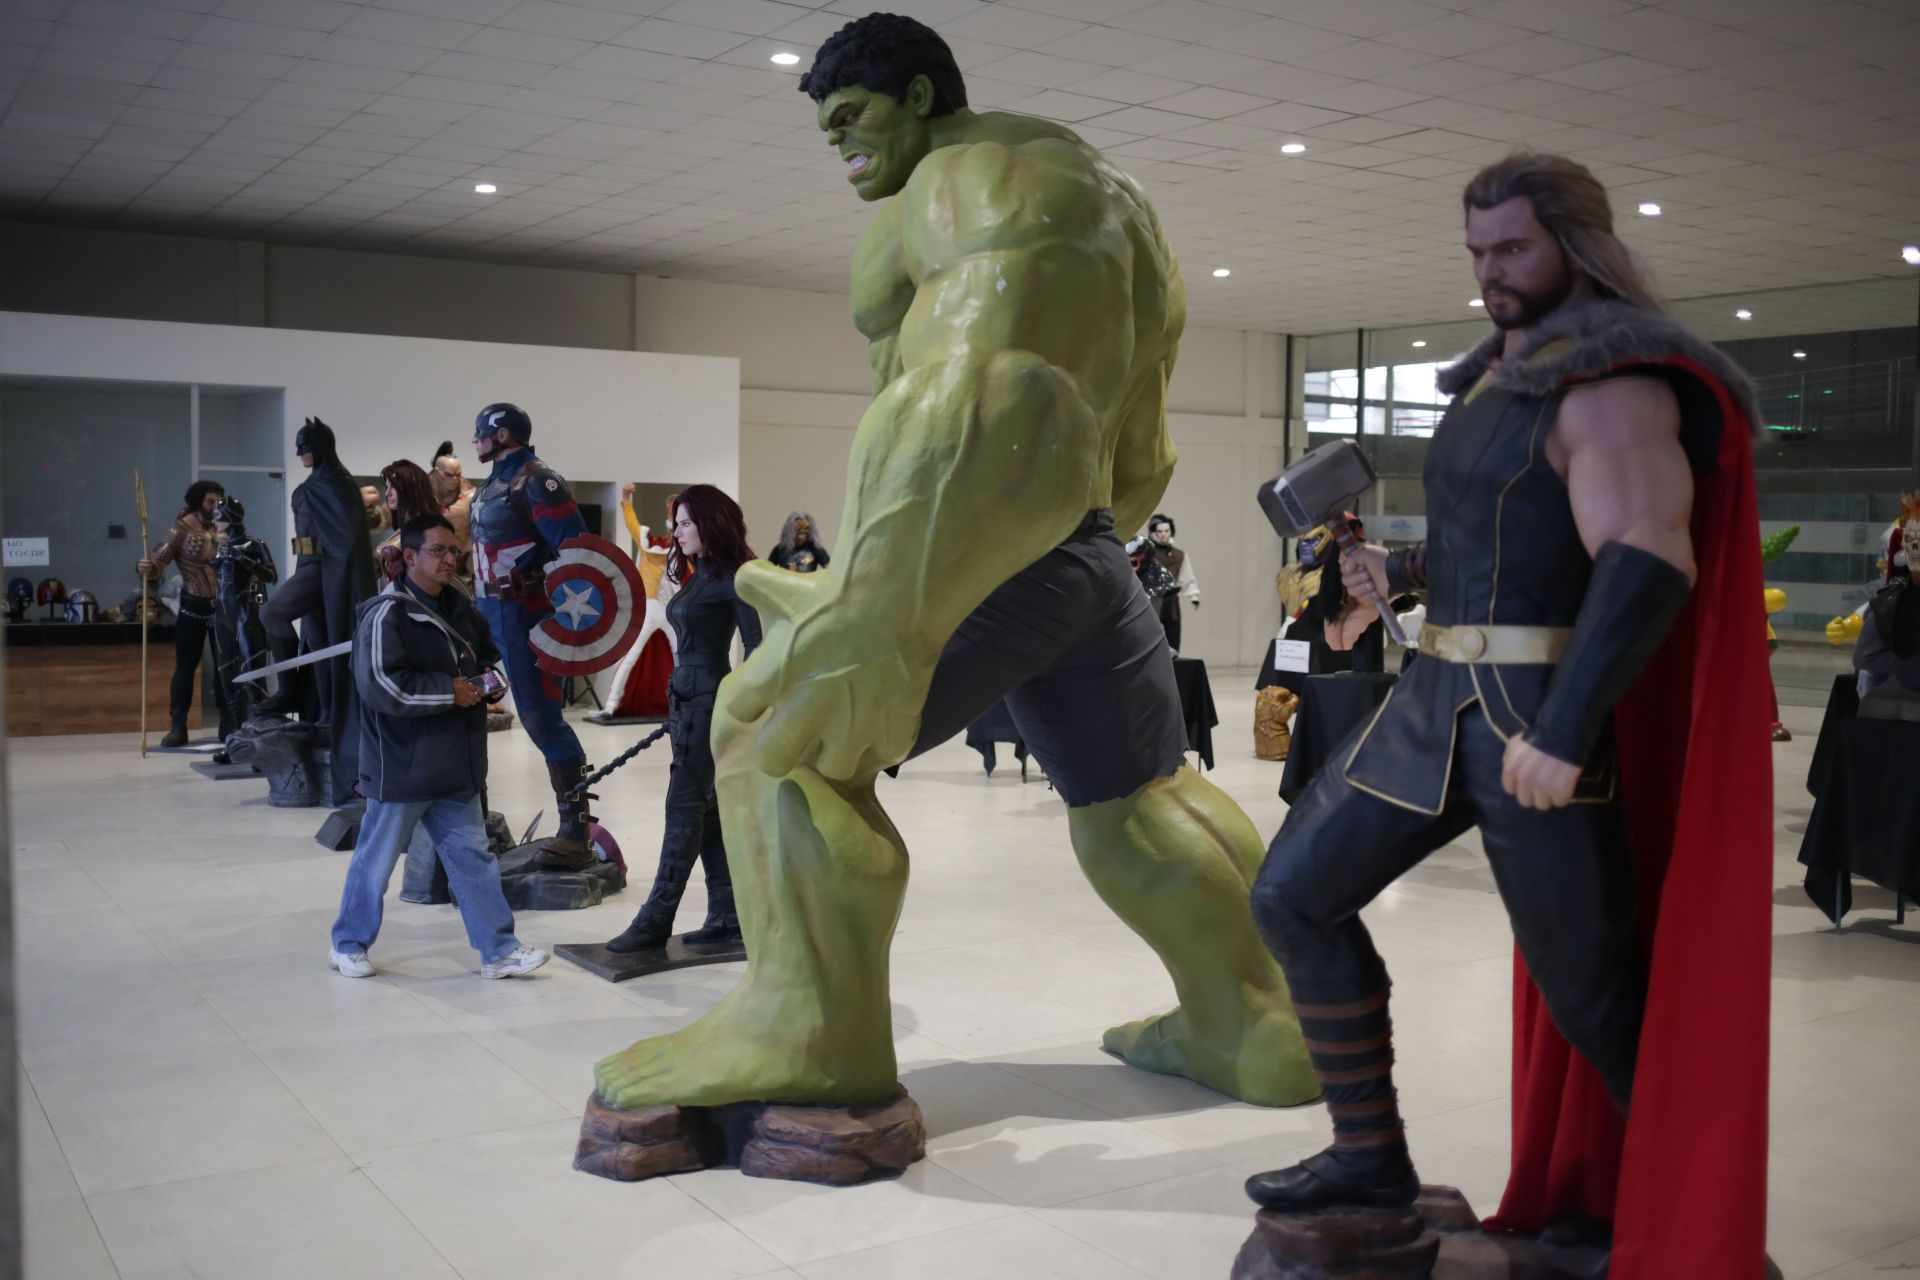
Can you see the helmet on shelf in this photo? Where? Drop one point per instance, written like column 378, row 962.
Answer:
column 51, row 591
column 83, row 607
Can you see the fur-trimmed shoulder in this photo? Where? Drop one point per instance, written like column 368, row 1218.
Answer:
column 1596, row 337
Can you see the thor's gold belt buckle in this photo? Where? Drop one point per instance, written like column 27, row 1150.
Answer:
column 1491, row 646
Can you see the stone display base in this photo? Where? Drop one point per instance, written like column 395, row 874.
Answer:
column 532, row 887
column 838, row 1146
column 1438, row 1238
column 223, row 772
column 608, row 717
column 618, row 966
column 288, row 752
column 499, row 721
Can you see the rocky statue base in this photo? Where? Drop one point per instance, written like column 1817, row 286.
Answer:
column 838, row 1146
column 528, row 885
column 289, row 753
column 1439, row 1237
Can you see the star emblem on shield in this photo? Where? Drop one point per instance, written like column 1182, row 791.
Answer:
column 598, row 604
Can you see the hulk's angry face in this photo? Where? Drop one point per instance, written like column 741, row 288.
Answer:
column 880, row 139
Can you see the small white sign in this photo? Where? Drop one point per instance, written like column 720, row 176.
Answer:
column 25, row 551
column 1292, row 655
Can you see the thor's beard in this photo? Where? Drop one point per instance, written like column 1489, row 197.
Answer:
column 1534, row 306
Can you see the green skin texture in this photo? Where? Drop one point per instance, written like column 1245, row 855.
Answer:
column 1023, row 311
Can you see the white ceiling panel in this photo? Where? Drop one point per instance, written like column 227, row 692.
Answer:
column 1782, row 136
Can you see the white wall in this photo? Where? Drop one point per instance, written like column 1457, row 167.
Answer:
column 599, row 416
column 805, row 382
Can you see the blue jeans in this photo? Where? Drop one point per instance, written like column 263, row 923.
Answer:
column 536, row 695
column 459, row 833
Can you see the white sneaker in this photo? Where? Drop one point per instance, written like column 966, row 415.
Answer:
column 520, row 960
column 352, row 964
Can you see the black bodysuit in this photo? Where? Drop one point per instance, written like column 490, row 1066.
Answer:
column 704, row 614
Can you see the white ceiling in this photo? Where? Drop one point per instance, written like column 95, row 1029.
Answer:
column 654, row 136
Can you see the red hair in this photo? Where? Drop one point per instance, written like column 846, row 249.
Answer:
column 723, row 531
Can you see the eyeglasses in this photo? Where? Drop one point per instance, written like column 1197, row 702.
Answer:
column 439, row 552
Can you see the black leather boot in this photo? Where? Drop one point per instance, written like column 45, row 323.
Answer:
column 177, row 734
column 568, row 849
column 1351, row 1045
column 288, row 691
column 638, row 936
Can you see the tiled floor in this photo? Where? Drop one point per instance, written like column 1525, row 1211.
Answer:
column 204, row 1099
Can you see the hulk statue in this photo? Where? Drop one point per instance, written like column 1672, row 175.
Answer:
column 1023, row 311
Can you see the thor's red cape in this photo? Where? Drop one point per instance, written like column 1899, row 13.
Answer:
column 1684, row 1179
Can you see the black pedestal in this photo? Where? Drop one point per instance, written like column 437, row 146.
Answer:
column 223, row 772
column 618, row 966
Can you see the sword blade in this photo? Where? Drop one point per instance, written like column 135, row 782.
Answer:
column 304, row 660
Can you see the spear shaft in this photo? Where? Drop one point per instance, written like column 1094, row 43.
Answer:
column 140, row 499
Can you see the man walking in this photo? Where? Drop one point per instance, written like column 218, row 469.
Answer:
column 420, row 651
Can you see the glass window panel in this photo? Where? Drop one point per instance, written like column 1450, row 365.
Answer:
column 1414, row 384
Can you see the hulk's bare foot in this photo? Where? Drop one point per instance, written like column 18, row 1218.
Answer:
column 751, row 1048
column 1256, row 1057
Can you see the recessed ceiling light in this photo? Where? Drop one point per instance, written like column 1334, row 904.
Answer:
column 1421, row 343
column 1221, row 273
column 485, row 189
column 1649, row 208
column 1799, row 355
column 1743, row 314
column 1911, row 254
column 1477, row 302
column 784, row 59
column 1292, row 148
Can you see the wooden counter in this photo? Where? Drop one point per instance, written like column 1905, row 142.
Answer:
column 89, row 688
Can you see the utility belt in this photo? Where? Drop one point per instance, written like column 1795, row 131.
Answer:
column 306, row 546
column 515, row 584
column 1495, row 646
column 527, row 584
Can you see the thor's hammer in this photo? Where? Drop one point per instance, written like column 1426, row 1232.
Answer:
column 1316, row 490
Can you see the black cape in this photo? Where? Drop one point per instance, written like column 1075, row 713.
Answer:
column 328, row 508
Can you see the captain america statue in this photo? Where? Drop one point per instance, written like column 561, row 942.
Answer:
column 519, row 518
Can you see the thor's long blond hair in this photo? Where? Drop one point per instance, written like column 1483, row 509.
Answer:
column 1571, row 203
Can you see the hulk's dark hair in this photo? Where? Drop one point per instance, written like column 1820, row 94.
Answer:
column 884, row 52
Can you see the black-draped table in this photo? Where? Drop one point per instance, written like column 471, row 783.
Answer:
column 1196, row 710
column 1331, row 707
column 1866, row 806
column 1196, row 707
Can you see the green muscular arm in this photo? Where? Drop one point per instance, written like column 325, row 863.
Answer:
column 990, row 438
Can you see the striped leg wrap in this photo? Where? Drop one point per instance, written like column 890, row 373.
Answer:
column 1352, row 1050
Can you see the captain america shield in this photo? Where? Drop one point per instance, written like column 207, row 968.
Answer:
column 598, row 608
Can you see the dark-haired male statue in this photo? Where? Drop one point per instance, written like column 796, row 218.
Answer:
column 1023, row 310
column 1591, row 696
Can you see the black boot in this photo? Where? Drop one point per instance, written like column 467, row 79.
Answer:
column 1367, row 1166
column 177, row 734
column 288, row 691
column 569, row 849
column 722, row 924
column 639, row 936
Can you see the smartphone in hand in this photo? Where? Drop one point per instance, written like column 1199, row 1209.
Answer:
column 491, row 684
